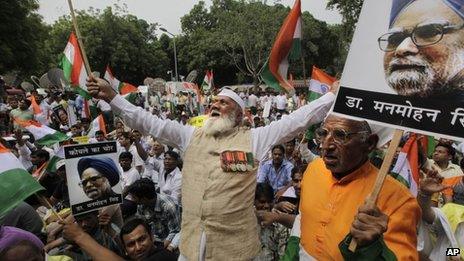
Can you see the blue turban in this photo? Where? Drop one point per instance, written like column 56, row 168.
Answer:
column 399, row 5
column 104, row 165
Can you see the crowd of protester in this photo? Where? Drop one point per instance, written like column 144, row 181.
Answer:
column 147, row 225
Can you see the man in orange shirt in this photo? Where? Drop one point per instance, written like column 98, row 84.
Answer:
column 333, row 192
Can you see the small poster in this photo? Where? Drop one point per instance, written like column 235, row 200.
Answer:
column 60, row 113
column 93, row 176
column 81, row 139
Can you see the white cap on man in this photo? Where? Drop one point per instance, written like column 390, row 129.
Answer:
column 231, row 94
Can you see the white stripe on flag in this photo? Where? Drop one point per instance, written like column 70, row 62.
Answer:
column 403, row 168
column 83, row 78
column 40, row 132
column 319, row 87
column 297, row 33
column 9, row 161
column 69, row 52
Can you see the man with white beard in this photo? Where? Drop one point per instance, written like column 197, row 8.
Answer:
column 424, row 54
column 219, row 171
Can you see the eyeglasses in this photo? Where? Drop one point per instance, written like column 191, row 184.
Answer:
column 421, row 36
column 93, row 179
column 340, row 136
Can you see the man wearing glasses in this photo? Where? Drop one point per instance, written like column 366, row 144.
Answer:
column 98, row 175
column 333, row 192
column 424, row 54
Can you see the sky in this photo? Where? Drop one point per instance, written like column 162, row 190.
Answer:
column 166, row 12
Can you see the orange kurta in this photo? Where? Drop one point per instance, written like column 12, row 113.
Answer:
column 328, row 207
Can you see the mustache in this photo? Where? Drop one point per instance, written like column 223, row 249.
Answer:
column 407, row 61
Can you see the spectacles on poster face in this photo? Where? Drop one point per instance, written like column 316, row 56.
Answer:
column 422, row 35
column 340, row 136
column 93, row 179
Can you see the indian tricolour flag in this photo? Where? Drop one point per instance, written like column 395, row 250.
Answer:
column 207, row 81
column 98, row 124
column 319, row 84
column 16, row 184
column 406, row 169
column 122, row 88
column 73, row 66
column 43, row 134
column 286, row 46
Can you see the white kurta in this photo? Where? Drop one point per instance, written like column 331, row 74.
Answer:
column 178, row 136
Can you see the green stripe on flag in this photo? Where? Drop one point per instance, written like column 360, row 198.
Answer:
column 82, row 92
column 51, row 166
column 15, row 186
column 292, row 252
column 66, row 66
column 401, row 179
column 51, row 139
column 270, row 79
column 295, row 51
column 130, row 97
column 313, row 96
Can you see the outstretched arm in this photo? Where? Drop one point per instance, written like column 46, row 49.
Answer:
column 73, row 232
column 168, row 132
column 290, row 125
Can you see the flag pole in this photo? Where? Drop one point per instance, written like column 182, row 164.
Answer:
column 48, row 205
column 79, row 39
column 383, row 172
column 304, row 71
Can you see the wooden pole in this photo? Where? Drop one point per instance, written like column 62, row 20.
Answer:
column 383, row 172
column 79, row 39
column 304, row 71
column 48, row 205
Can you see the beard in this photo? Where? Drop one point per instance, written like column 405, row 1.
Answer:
column 218, row 125
column 424, row 81
column 411, row 82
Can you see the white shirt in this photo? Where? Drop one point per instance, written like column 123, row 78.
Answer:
column 281, row 102
column 129, row 177
column 44, row 116
column 103, row 105
column 149, row 167
column 171, row 185
column 24, row 155
column 252, row 100
column 136, row 159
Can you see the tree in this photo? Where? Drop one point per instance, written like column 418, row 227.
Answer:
column 235, row 38
column 246, row 35
column 128, row 44
column 23, row 34
column 350, row 10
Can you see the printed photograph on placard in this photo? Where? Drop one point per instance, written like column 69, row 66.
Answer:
column 93, row 176
column 405, row 67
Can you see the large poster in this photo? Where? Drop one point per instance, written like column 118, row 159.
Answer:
column 93, row 176
column 405, row 68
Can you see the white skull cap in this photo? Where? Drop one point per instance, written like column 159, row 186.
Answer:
column 231, row 94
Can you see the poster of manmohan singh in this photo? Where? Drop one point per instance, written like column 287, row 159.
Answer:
column 405, row 67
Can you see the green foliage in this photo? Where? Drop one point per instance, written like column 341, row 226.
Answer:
column 22, row 35
column 350, row 10
column 235, row 38
column 125, row 42
column 232, row 37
